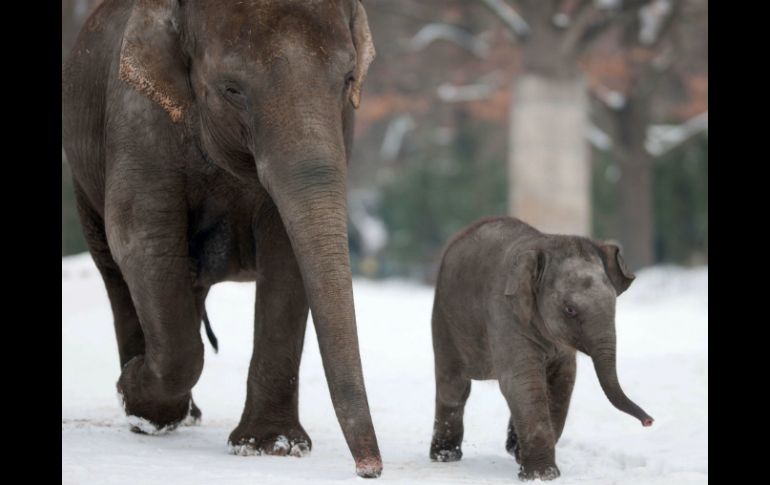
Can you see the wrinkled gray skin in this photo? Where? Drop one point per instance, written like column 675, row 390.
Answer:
column 514, row 304
column 209, row 141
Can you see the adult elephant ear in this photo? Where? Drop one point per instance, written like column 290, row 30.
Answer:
column 362, row 41
column 615, row 266
column 151, row 58
column 521, row 284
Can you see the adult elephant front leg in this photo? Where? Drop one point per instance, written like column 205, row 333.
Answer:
column 128, row 331
column 147, row 237
column 270, row 421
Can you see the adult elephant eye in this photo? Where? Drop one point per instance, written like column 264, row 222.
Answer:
column 570, row 311
column 234, row 96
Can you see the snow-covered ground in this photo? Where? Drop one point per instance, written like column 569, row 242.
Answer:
column 663, row 348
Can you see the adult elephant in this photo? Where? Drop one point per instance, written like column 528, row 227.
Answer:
column 209, row 141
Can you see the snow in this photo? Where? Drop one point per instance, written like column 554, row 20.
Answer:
column 663, row 349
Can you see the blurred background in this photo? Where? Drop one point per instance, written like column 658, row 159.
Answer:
column 579, row 117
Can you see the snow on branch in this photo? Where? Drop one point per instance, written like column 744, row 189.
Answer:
column 438, row 31
column 663, row 138
column 598, row 138
column 479, row 90
column 607, row 4
column 510, row 16
column 470, row 92
column 564, row 14
column 652, row 18
column 394, row 136
column 612, row 99
column 660, row 138
column 372, row 230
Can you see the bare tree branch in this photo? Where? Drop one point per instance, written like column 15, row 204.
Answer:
column 479, row 90
column 598, row 138
column 566, row 12
column 662, row 139
column 606, row 119
column 509, row 16
column 652, row 18
column 394, row 136
column 449, row 33
column 589, row 19
column 408, row 10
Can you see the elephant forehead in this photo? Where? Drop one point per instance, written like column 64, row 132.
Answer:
column 268, row 30
column 577, row 275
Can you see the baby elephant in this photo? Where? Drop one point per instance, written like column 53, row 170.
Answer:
column 514, row 304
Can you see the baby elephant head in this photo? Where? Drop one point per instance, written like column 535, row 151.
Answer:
column 566, row 289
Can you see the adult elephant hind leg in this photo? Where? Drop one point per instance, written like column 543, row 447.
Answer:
column 452, row 391
column 127, row 329
column 270, row 421
column 153, row 257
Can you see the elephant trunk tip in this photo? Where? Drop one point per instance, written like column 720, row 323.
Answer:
column 369, row 467
column 639, row 414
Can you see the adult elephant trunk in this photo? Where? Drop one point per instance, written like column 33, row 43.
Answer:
column 603, row 354
column 310, row 194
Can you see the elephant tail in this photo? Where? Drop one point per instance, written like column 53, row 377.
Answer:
column 210, row 332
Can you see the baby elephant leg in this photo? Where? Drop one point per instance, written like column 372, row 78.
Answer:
column 527, row 394
column 452, row 391
column 561, row 381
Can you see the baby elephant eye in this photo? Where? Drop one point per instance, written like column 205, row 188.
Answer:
column 569, row 311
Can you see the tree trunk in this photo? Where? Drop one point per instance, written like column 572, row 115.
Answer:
column 549, row 164
column 635, row 192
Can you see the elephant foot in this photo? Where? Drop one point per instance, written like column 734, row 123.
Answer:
column 445, row 452
column 369, row 467
column 292, row 441
column 194, row 416
column 156, row 418
column 151, row 415
column 547, row 472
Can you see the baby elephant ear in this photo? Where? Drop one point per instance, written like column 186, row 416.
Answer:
column 362, row 41
column 521, row 285
column 615, row 267
column 151, row 59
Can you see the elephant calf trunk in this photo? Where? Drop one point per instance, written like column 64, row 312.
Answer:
column 608, row 379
